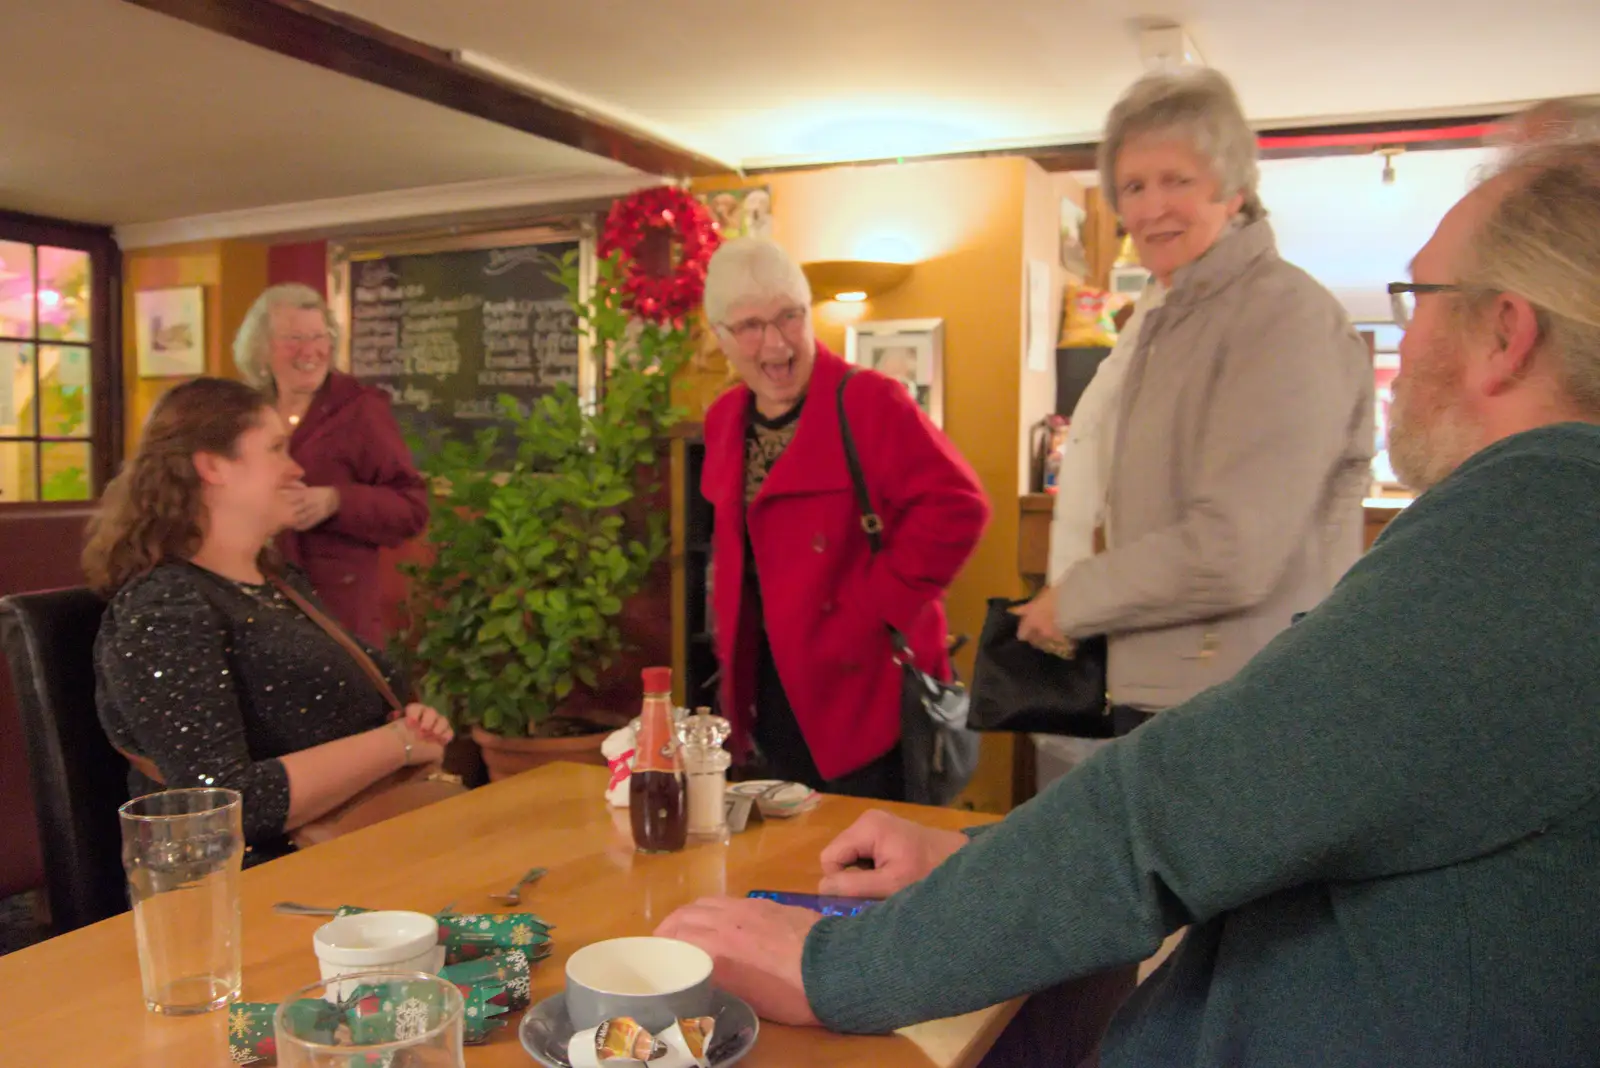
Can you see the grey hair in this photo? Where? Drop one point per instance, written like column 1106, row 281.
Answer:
column 252, row 343
column 1539, row 243
column 1199, row 106
column 749, row 269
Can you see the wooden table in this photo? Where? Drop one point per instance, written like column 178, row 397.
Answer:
column 75, row 1001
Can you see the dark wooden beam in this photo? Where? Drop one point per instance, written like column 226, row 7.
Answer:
column 1299, row 142
column 48, row 227
column 333, row 40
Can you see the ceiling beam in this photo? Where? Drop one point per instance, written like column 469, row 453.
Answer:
column 1299, row 142
column 1302, row 142
column 333, row 40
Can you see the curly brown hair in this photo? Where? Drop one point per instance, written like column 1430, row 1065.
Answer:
column 153, row 510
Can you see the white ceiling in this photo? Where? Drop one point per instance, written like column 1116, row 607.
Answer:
column 115, row 114
column 1335, row 217
column 834, row 79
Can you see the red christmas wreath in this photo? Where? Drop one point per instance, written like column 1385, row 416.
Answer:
column 644, row 226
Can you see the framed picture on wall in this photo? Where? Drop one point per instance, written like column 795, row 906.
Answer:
column 170, row 332
column 741, row 212
column 910, row 351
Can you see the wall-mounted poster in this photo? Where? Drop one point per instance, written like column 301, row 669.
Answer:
column 170, row 332
column 910, row 351
column 741, row 212
column 1074, row 259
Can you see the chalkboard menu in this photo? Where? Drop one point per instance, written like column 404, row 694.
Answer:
column 446, row 333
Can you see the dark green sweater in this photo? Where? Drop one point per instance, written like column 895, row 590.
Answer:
column 1384, row 832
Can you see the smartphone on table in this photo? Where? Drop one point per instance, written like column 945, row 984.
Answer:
column 823, row 903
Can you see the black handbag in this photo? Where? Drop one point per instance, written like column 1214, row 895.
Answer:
column 937, row 754
column 1018, row 687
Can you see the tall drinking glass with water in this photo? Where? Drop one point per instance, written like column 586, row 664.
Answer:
column 372, row 1020
column 183, row 851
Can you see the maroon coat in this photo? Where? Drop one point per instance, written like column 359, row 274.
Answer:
column 349, row 439
column 825, row 598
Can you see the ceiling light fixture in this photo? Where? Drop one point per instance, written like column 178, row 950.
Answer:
column 1389, row 153
column 568, row 99
column 852, row 296
column 1167, row 46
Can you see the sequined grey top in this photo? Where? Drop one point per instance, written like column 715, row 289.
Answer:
column 214, row 680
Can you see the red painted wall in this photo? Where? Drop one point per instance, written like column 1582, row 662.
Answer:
column 305, row 262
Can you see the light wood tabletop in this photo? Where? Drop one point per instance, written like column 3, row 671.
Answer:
column 75, row 1000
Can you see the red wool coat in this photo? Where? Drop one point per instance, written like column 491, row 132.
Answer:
column 349, row 439
column 826, row 598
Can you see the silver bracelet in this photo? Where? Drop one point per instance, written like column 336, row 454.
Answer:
column 399, row 726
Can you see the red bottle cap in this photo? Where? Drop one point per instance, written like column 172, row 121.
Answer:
column 657, row 680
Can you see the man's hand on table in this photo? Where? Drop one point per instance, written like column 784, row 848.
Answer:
column 755, row 947
column 901, row 853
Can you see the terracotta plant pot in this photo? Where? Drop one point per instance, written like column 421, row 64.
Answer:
column 505, row 756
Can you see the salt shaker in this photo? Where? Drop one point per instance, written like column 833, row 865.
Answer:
column 705, row 764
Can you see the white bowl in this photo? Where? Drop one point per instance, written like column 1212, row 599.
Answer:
column 379, row 941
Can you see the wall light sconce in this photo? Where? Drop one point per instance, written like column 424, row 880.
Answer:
column 853, row 281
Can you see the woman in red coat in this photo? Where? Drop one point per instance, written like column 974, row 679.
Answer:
column 361, row 491
column 801, row 607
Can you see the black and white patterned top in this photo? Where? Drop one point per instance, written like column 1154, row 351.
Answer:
column 764, row 442
column 214, row 680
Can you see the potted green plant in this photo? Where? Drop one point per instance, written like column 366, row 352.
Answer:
column 541, row 530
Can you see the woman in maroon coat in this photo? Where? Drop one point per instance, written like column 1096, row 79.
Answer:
column 801, row 607
column 361, row 491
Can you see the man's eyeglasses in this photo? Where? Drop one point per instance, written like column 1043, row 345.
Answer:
column 751, row 332
column 1403, row 298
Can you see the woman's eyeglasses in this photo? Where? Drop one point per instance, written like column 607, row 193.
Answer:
column 303, row 341
column 751, row 332
column 1403, row 298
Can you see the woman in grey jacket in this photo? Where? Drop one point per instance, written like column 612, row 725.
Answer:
column 1239, row 434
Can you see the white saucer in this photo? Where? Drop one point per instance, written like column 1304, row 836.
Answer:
column 545, row 1031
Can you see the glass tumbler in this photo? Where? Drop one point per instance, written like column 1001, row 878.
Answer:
column 183, row 851
column 387, row 1020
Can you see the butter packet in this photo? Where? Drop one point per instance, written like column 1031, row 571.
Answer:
column 622, row 1041
column 695, row 1031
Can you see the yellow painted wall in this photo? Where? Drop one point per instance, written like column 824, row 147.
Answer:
column 233, row 274
column 961, row 222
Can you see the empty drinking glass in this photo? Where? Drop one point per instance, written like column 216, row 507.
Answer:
column 372, row 1020
column 183, row 851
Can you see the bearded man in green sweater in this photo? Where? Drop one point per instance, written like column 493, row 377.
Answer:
column 1383, row 834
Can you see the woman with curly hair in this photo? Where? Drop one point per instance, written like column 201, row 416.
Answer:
column 207, row 673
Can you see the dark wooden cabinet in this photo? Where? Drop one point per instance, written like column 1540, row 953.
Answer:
column 694, row 660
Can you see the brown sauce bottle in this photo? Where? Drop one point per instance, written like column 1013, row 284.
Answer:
column 657, row 807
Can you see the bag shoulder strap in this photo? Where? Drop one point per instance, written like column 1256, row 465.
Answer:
column 871, row 522
column 340, row 635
